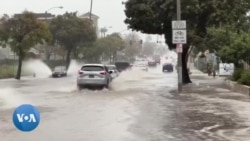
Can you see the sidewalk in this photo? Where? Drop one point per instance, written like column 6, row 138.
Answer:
column 198, row 76
column 202, row 83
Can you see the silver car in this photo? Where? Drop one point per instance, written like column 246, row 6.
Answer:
column 93, row 75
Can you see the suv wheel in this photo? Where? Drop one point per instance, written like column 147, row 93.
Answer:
column 107, row 85
column 79, row 87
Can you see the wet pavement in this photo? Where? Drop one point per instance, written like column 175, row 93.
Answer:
column 140, row 106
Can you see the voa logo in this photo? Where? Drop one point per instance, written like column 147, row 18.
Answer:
column 26, row 117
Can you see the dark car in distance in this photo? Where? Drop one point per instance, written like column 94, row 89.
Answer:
column 167, row 67
column 59, row 71
column 152, row 63
column 122, row 66
column 157, row 59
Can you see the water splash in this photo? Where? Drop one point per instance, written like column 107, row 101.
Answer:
column 38, row 67
column 128, row 79
column 74, row 67
column 9, row 98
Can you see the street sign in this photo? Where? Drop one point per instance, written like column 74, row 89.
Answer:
column 213, row 57
column 179, row 48
column 179, row 36
column 179, row 24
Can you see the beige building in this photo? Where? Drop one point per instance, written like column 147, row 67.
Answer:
column 95, row 19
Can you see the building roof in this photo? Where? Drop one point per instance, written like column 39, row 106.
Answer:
column 87, row 15
column 38, row 15
column 33, row 50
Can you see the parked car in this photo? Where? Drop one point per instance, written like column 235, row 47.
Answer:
column 94, row 75
column 167, row 67
column 114, row 70
column 59, row 71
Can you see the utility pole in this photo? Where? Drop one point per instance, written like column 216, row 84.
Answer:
column 178, row 3
column 90, row 11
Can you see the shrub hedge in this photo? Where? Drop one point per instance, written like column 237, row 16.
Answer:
column 7, row 71
column 237, row 74
column 241, row 76
column 245, row 78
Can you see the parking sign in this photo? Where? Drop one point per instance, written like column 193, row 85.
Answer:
column 179, row 32
column 179, row 36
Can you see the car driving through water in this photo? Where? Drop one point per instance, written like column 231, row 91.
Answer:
column 122, row 66
column 157, row 59
column 96, row 75
column 167, row 67
column 59, row 71
column 152, row 62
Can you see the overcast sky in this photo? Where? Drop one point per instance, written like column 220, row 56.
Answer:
column 111, row 12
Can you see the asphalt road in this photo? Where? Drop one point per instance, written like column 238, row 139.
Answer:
column 140, row 106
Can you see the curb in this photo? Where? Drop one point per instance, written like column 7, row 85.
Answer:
column 234, row 86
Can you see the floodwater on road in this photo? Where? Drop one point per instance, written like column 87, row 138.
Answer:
column 140, row 106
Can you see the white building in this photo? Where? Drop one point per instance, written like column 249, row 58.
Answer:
column 94, row 18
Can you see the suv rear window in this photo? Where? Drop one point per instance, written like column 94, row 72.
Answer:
column 92, row 68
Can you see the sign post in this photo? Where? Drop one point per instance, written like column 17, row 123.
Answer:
column 179, row 35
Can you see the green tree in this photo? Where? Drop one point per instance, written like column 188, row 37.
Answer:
column 72, row 32
column 132, row 45
column 230, row 45
column 22, row 33
column 92, row 53
column 103, row 30
column 109, row 45
column 237, row 50
column 154, row 17
column 149, row 47
column 116, row 44
column 47, row 49
column 103, row 47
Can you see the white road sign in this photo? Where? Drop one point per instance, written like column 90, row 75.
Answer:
column 179, row 36
column 179, row 25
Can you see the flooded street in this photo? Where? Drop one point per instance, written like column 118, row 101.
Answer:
column 140, row 106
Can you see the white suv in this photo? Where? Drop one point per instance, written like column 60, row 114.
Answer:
column 93, row 75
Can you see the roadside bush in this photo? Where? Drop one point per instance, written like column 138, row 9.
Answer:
column 245, row 78
column 237, row 74
column 7, row 71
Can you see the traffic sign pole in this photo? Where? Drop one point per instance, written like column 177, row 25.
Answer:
column 179, row 34
column 178, row 3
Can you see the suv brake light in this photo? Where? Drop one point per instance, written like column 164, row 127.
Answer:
column 103, row 73
column 80, row 72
